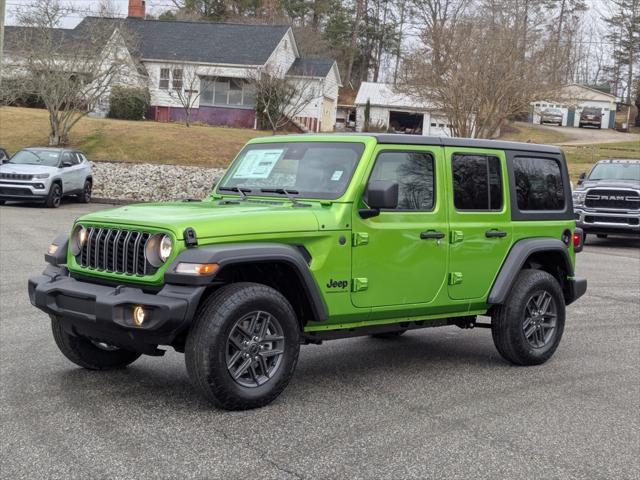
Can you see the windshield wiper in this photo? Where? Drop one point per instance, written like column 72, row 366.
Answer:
column 242, row 191
column 285, row 191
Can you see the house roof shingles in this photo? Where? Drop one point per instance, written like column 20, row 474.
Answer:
column 311, row 67
column 216, row 43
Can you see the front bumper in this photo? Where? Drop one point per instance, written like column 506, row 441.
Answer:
column 105, row 313
column 34, row 190
column 595, row 221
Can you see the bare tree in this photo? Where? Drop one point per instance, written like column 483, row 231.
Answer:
column 280, row 100
column 470, row 67
column 70, row 71
column 184, row 86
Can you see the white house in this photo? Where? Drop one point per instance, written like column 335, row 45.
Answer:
column 571, row 100
column 220, row 58
column 397, row 112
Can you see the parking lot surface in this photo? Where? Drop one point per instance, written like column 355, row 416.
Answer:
column 435, row 403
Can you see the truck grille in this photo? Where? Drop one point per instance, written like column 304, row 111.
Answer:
column 616, row 199
column 114, row 250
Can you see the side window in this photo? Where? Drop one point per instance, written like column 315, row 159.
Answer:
column 414, row 172
column 538, row 184
column 76, row 158
column 67, row 157
column 164, row 79
column 477, row 182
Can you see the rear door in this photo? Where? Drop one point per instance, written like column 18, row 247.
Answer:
column 399, row 258
column 479, row 218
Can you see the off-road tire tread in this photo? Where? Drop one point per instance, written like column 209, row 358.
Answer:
column 506, row 332
column 83, row 353
column 208, row 323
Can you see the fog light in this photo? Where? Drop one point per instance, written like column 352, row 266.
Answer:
column 53, row 248
column 139, row 316
column 196, row 268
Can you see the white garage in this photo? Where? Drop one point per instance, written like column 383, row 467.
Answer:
column 572, row 101
column 397, row 112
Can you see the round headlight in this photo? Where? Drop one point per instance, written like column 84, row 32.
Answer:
column 78, row 237
column 165, row 247
column 158, row 249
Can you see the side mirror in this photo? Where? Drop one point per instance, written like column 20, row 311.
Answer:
column 66, row 164
column 581, row 178
column 380, row 194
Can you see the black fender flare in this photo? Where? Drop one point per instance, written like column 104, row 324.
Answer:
column 244, row 253
column 515, row 260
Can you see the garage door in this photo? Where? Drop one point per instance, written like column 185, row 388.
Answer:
column 439, row 127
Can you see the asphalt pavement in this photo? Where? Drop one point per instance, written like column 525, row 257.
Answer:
column 435, row 403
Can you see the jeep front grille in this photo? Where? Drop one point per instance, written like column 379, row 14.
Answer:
column 16, row 176
column 614, row 199
column 114, row 250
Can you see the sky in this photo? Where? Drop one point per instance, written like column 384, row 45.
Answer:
column 85, row 8
column 89, row 7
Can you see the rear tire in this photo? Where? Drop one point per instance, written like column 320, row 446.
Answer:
column 528, row 327
column 89, row 354
column 54, row 199
column 243, row 346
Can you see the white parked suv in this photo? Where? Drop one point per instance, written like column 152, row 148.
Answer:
column 46, row 175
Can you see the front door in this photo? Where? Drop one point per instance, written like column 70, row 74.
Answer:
column 400, row 256
column 479, row 218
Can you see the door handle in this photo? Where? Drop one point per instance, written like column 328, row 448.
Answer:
column 495, row 233
column 431, row 234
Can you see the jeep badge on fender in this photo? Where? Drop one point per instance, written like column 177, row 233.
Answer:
column 308, row 238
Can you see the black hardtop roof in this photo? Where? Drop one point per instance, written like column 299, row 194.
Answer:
column 398, row 138
column 401, row 139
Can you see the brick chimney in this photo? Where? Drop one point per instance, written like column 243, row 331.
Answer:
column 136, row 8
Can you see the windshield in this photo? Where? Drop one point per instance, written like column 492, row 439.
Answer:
column 48, row 158
column 616, row 171
column 306, row 169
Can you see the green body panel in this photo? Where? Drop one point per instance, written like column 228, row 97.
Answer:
column 370, row 271
column 474, row 259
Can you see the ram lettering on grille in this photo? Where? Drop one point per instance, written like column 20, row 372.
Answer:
column 114, row 250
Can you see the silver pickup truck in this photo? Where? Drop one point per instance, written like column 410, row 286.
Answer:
column 607, row 199
column 46, row 175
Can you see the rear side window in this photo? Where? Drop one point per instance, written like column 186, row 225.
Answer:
column 538, row 184
column 477, row 182
column 414, row 173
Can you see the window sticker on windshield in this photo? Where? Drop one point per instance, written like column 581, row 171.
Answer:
column 258, row 163
column 337, row 175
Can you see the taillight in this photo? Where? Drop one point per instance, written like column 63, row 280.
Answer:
column 577, row 240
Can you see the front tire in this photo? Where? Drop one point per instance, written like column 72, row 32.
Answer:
column 85, row 196
column 528, row 327
column 54, row 199
column 90, row 354
column 243, row 347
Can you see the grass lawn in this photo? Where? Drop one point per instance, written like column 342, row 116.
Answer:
column 106, row 139
column 532, row 134
column 143, row 141
column 581, row 158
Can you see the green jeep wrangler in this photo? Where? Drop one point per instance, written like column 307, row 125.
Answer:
column 315, row 237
